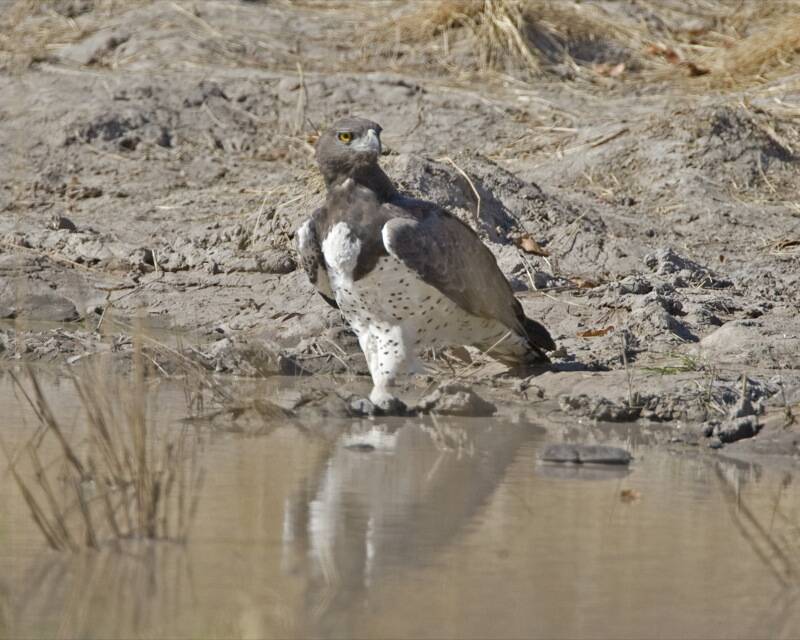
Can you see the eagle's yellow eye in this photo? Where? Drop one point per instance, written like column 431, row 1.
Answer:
column 345, row 136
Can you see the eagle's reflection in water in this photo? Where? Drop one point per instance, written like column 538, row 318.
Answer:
column 388, row 498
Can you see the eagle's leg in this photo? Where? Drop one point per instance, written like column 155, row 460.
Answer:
column 389, row 354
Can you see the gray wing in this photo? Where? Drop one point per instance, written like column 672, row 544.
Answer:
column 450, row 256
column 313, row 261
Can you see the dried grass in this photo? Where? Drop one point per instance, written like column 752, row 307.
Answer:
column 724, row 42
column 121, row 481
column 509, row 35
column 433, row 19
column 31, row 29
column 692, row 39
column 494, row 31
column 28, row 30
column 774, row 45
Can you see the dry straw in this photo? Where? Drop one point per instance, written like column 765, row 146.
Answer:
column 121, row 480
column 709, row 39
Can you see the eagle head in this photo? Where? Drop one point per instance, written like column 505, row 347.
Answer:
column 350, row 146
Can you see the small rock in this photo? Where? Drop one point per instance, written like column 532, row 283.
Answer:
column 455, row 399
column 57, row 222
column 744, row 407
column 543, row 280
column 274, row 261
column 708, row 428
column 93, row 48
column 682, row 271
column 635, row 284
column 200, row 95
column 599, row 408
column 585, row 454
column 48, row 307
column 738, row 429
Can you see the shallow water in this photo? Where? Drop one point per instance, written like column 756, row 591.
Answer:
column 411, row 528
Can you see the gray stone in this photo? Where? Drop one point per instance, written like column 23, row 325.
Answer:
column 57, row 222
column 738, row 429
column 49, row 307
column 599, row 408
column 276, row 261
column 94, row 47
column 683, row 271
column 455, row 399
column 635, row 284
column 585, row 454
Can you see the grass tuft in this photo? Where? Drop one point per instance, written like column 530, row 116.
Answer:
column 707, row 40
column 775, row 44
column 677, row 363
column 119, row 479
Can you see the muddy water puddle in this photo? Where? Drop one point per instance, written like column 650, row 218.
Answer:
column 417, row 528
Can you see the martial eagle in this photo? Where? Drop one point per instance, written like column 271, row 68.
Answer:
column 406, row 274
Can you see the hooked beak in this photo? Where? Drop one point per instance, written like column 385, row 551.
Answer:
column 370, row 143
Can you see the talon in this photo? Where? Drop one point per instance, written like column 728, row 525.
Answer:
column 388, row 404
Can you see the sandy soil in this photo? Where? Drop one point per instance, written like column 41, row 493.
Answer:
column 156, row 157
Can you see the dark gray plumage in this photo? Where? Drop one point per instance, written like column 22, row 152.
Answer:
column 405, row 273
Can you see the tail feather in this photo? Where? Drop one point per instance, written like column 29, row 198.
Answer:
column 538, row 336
column 529, row 341
column 528, row 349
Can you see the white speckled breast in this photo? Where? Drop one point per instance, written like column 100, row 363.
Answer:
column 396, row 314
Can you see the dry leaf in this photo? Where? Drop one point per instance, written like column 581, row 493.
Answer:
column 787, row 245
column 530, row 245
column 460, row 353
column 695, row 70
column 284, row 316
column 670, row 55
column 673, row 57
column 584, row 283
column 629, row 495
column 617, row 70
column 595, row 333
column 609, row 70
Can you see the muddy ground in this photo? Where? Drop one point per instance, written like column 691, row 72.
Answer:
column 156, row 158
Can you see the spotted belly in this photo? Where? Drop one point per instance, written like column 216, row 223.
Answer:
column 396, row 314
column 392, row 296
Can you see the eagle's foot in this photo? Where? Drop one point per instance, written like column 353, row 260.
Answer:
column 387, row 404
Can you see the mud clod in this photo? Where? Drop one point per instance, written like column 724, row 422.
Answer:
column 455, row 399
column 47, row 307
column 682, row 272
column 601, row 408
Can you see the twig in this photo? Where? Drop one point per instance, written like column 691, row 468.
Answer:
column 258, row 217
column 471, row 185
column 197, row 20
column 596, row 143
column 302, row 101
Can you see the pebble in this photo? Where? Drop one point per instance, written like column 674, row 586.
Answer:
column 585, row 454
column 456, row 399
column 48, row 307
